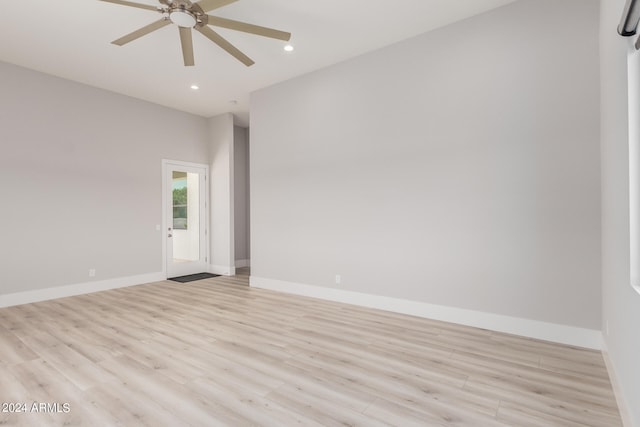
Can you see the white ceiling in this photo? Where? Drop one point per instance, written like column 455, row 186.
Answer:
column 71, row 39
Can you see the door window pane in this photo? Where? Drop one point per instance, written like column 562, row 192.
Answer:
column 180, row 200
column 186, row 216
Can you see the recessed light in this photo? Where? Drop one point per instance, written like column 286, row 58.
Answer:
column 288, row 48
column 195, row 87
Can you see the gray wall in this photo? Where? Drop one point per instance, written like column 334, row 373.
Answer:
column 458, row 168
column 222, row 203
column 621, row 304
column 80, row 180
column 241, row 193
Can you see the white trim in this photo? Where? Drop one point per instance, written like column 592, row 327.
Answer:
column 564, row 334
column 633, row 67
column 224, row 270
column 28, row 297
column 243, row 263
column 623, row 408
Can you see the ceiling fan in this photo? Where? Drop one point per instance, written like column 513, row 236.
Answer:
column 187, row 15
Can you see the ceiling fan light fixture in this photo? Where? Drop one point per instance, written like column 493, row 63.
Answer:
column 183, row 18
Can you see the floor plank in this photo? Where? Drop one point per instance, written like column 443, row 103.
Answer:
column 217, row 352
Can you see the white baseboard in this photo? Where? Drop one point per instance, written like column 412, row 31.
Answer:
column 617, row 391
column 224, row 270
column 27, row 297
column 240, row 263
column 571, row 335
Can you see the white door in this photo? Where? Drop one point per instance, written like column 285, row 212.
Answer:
column 185, row 213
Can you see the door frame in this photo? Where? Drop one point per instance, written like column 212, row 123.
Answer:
column 206, row 245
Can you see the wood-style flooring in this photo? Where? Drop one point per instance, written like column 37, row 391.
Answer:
column 217, row 352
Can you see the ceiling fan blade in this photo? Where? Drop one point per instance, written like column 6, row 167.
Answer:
column 209, row 5
column 187, row 46
column 248, row 28
column 141, row 32
column 132, row 4
column 223, row 43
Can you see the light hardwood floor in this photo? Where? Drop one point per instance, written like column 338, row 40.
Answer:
column 216, row 352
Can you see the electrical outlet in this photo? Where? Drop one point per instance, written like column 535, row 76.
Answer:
column 92, row 272
column 338, row 279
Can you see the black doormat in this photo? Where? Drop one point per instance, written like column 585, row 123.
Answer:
column 193, row 277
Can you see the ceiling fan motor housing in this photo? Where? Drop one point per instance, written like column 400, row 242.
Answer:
column 183, row 13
